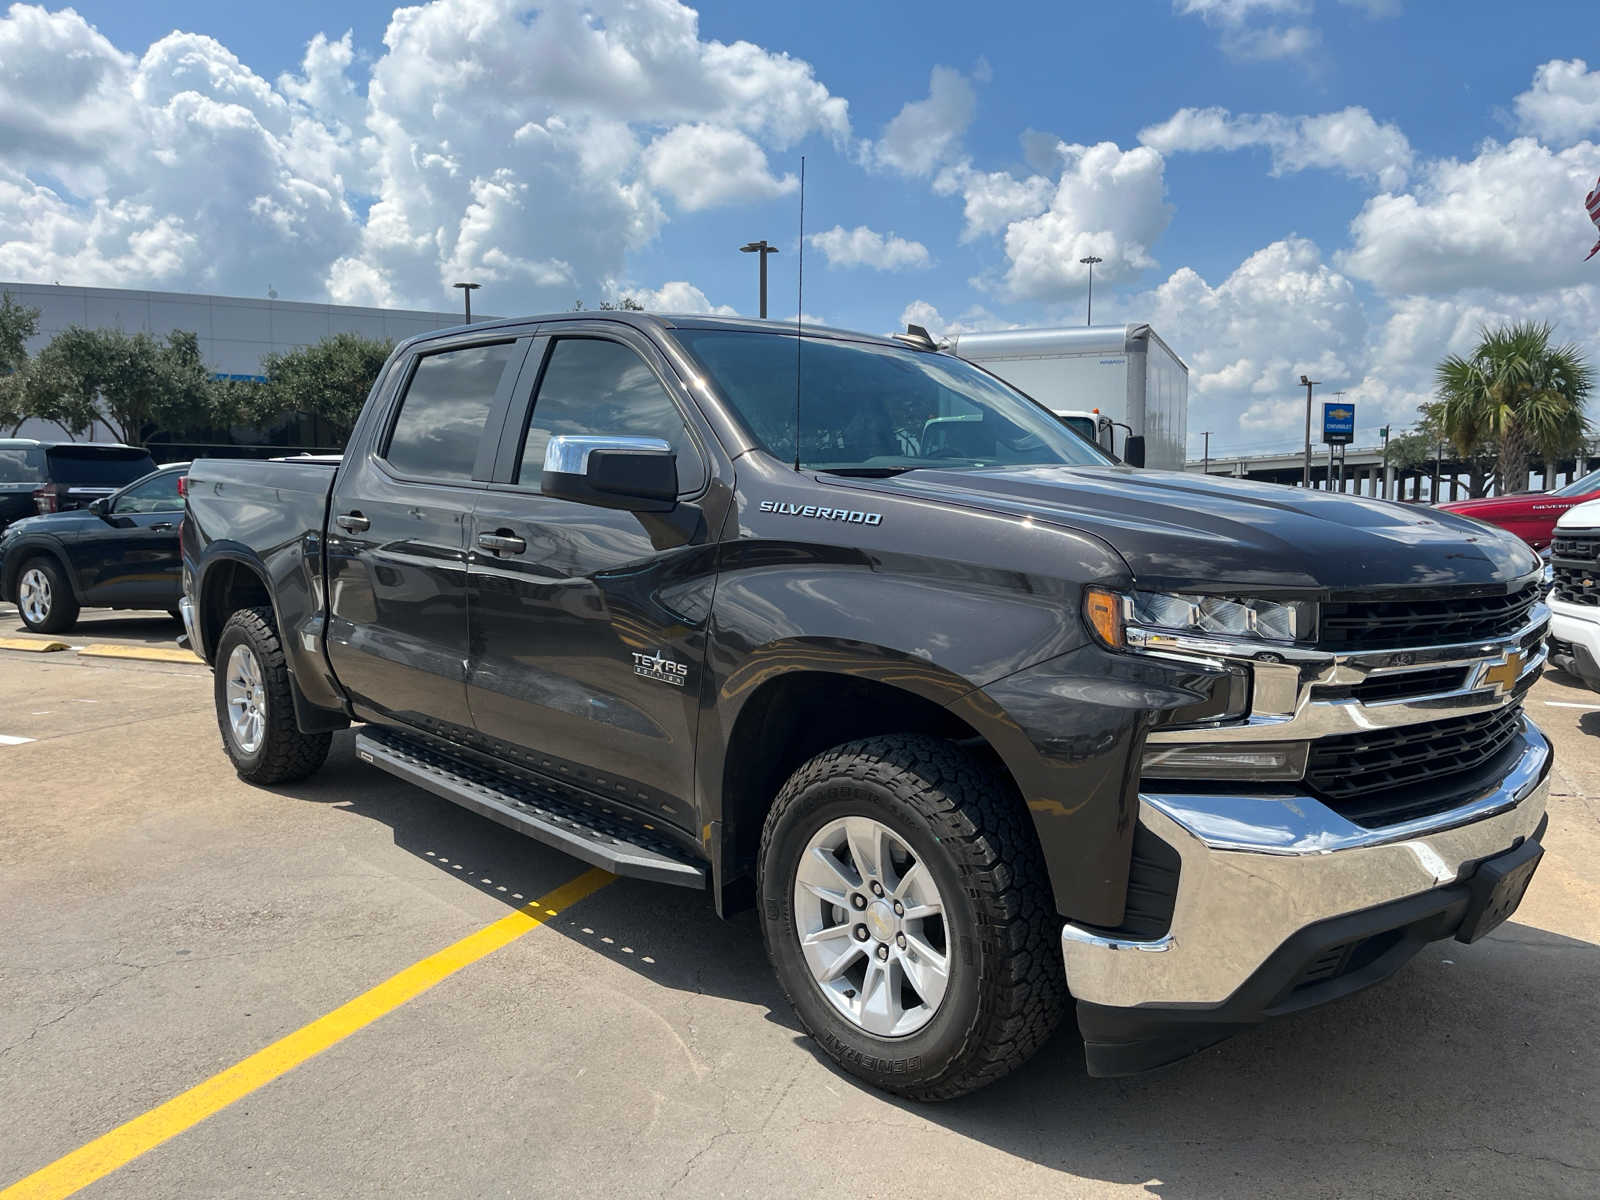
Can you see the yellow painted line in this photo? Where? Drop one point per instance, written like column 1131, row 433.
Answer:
column 30, row 644
column 144, row 653
column 127, row 1142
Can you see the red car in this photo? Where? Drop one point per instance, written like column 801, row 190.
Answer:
column 1530, row 515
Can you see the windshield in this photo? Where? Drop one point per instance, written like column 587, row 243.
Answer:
column 870, row 409
column 1582, row 485
column 98, row 466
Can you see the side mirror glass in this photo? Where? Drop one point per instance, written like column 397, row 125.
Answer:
column 1133, row 451
column 631, row 473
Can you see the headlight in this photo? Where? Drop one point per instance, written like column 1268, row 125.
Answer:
column 1222, row 616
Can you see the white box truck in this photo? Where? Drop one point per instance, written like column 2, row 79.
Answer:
column 1107, row 382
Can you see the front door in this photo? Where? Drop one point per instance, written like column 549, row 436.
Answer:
column 129, row 557
column 588, row 624
column 397, row 537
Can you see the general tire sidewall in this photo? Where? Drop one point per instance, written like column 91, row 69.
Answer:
column 915, row 1056
column 231, row 637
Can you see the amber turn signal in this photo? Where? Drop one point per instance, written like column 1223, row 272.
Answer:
column 1103, row 610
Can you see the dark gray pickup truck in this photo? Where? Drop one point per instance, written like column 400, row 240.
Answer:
column 852, row 631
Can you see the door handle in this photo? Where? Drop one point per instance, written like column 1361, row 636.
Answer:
column 353, row 522
column 162, row 526
column 502, row 543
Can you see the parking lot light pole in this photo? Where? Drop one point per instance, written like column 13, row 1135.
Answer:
column 466, row 295
column 763, row 250
column 1090, row 261
column 1305, row 479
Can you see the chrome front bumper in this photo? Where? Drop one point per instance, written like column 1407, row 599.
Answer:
column 1254, row 870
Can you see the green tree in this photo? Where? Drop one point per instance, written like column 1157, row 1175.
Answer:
column 1517, row 390
column 1418, row 448
column 18, row 323
column 329, row 379
column 625, row 304
column 133, row 383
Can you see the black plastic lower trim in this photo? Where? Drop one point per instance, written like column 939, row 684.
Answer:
column 1575, row 659
column 1318, row 964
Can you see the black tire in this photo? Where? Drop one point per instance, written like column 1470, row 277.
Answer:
column 285, row 752
column 62, row 612
column 1007, row 987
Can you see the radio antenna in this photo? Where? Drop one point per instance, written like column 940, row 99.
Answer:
column 799, row 311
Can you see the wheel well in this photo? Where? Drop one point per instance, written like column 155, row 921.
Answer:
column 800, row 714
column 229, row 586
column 27, row 554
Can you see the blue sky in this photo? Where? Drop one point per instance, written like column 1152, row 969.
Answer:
column 1348, row 187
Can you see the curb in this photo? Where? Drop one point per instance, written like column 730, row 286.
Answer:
column 31, row 645
column 141, row 653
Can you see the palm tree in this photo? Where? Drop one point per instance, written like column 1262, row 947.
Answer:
column 1517, row 390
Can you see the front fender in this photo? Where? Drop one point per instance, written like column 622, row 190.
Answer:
column 1071, row 733
column 30, row 545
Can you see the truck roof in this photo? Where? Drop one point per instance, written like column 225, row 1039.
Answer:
column 663, row 321
column 1041, row 343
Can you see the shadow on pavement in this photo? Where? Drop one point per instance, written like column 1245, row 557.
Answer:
column 1473, row 1072
column 151, row 629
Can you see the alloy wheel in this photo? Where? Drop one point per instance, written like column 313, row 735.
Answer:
column 872, row 926
column 247, row 699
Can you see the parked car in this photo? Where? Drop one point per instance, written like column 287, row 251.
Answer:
column 119, row 552
column 1575, row 593
column 971, row 721
column 1530, row 515
column 46, row 477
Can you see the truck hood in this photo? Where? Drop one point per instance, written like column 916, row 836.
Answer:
column 1182, row 532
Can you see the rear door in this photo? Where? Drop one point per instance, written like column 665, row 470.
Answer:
column 129, row 557
column 397, row 533
column 588, row 642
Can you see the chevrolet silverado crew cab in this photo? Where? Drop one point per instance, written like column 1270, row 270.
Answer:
column 850, row 630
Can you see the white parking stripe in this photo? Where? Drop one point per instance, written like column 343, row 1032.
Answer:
column 8, row 740
column 1565, row 704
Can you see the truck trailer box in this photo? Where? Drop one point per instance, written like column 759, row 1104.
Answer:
column 1125, row 372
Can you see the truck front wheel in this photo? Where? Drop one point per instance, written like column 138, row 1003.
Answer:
column 255, row 709
column 906, row 912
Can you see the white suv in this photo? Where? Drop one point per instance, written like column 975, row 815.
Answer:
column 1575, row 596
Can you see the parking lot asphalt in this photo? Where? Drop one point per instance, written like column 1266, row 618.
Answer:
column 163, row 922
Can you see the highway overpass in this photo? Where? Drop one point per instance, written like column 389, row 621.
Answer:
column 1364, row 473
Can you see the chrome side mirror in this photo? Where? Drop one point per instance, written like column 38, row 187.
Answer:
column 633, row 473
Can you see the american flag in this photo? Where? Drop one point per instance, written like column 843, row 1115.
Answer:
column 1592, row 203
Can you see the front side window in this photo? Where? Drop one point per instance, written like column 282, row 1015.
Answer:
column 599, row 387
column 159, row 494
column 444, row 412
column 869, row 409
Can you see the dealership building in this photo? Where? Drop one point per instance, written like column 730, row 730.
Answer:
column 235, row 334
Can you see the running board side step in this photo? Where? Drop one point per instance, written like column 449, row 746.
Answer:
column 544, row 814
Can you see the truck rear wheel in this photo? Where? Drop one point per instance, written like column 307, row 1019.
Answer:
column 255, row 709
column 906, row 912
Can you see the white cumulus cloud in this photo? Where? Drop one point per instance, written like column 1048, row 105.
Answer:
column 1350, row 140
column 863, row 247
column 701, row 166
column 925, row 132
column 1563, row 103
column 1511, row 218
column 1109, row 203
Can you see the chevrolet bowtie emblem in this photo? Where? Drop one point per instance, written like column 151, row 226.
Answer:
column 1503, row 674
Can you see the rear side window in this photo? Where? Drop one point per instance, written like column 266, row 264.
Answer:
column 21, row 464
column 444, row 411
column 595, row 386
column 89, row 466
